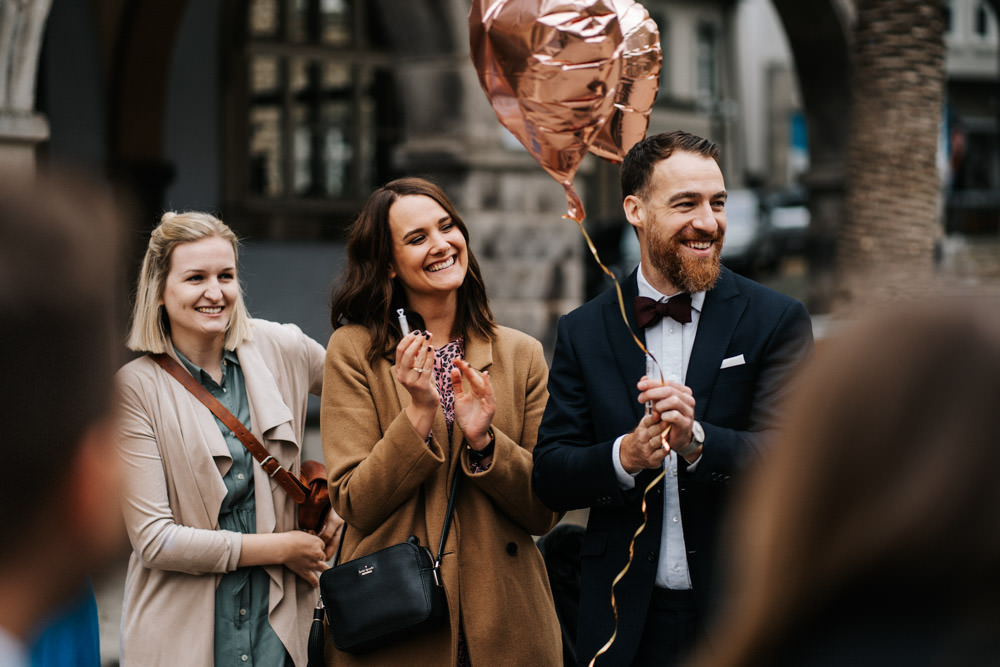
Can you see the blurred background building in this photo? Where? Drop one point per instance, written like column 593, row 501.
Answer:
column 282, row 115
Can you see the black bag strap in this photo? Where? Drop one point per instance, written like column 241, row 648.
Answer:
column 444, row 529
column 316, row 644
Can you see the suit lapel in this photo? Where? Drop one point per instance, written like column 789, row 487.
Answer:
column 723, row 307
column 630, row 361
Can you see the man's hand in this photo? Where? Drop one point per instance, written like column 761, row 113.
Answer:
column 673, row 407
column 641, row 448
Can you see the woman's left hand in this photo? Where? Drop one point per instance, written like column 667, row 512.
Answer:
column 330, row 533
column 474, row 407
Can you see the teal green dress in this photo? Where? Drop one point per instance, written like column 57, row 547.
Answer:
column 243, row 635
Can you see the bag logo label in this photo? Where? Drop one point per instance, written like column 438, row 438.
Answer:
column 365, row 570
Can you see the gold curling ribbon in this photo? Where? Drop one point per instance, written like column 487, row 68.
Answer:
column 618, row 289
column 621, row 308
column 663, row 439
column 621, row 575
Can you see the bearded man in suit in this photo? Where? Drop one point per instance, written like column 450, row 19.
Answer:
column 724, row 347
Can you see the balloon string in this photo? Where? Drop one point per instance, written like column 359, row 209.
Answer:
column 663, row 435
column 621, row 299
column 621, row 575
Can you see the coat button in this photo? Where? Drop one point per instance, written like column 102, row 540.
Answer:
column 650, row 556
column 512, row 548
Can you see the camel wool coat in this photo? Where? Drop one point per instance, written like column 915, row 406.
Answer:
column 388, row 484
column 174, row 458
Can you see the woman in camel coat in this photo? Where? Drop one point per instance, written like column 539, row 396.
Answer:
column 402, row 415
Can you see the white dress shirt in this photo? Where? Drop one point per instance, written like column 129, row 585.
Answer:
column 671, row 343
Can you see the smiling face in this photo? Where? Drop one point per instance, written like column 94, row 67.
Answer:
column 430, row 256
column 681, row 222
column 200, row 292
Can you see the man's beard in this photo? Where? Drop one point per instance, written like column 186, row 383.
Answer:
column 689, row 274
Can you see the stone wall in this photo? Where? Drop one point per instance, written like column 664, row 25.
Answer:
column 531, row 257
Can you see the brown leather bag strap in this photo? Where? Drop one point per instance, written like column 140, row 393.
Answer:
column 293, row 487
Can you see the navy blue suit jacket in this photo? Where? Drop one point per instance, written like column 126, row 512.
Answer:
column 593, row 400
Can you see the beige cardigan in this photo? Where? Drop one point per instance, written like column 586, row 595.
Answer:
column 388, row 484
column 174, row 457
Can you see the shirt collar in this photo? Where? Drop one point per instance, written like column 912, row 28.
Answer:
column 647, row 290
column 228, row 357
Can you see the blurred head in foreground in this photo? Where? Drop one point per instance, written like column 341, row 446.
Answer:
column 872, row 531
column 60, row 475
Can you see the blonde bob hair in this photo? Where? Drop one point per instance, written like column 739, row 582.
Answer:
column 150, row 330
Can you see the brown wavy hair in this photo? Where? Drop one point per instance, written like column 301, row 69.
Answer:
column 639, row 163
column 366, row 295
column 885, row 475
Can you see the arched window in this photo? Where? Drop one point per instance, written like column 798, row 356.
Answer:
column 985, row 25
column 314, row 118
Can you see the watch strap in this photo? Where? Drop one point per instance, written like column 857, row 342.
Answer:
column 485, row 452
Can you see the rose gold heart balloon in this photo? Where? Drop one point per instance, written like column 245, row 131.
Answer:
column 642, row 58
column 551, row 69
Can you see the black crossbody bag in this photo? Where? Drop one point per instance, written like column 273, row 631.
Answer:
column 386, row 596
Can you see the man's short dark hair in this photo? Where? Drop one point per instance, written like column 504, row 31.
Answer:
column 58, row 272
column 637, row 167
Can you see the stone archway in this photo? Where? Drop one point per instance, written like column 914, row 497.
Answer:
column 22, row 25
column 818, row 36
column 139, row 69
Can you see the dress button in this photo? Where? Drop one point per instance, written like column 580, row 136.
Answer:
column 239, row 475
column 674, row 519
column 512, row 548
column 243, row 612
column 244, row 657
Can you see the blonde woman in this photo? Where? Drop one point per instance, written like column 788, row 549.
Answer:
column 219, row 574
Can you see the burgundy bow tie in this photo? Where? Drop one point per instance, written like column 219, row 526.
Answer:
column 649, row 311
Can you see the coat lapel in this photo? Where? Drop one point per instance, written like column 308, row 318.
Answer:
column 207, row 457
column 272, row 424
column 271, row 417
column 724, row 305
column 630, row 361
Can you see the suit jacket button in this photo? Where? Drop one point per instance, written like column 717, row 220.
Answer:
column 512, row 548
column 650, row 556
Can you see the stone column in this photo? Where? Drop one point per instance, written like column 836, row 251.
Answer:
column 22, row 23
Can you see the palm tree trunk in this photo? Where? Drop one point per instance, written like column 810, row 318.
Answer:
column 886, row 246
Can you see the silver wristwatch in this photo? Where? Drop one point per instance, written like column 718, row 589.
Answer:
column 697, row 440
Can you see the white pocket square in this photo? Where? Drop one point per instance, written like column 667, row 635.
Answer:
column 738, row 360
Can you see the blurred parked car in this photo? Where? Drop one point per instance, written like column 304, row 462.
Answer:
column 748, row 247
column 788, row 219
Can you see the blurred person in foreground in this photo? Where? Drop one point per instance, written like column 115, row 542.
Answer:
column 219, row 572
column 404, row 414
column 872, row 535
column 59, row 497
column 725, row 345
